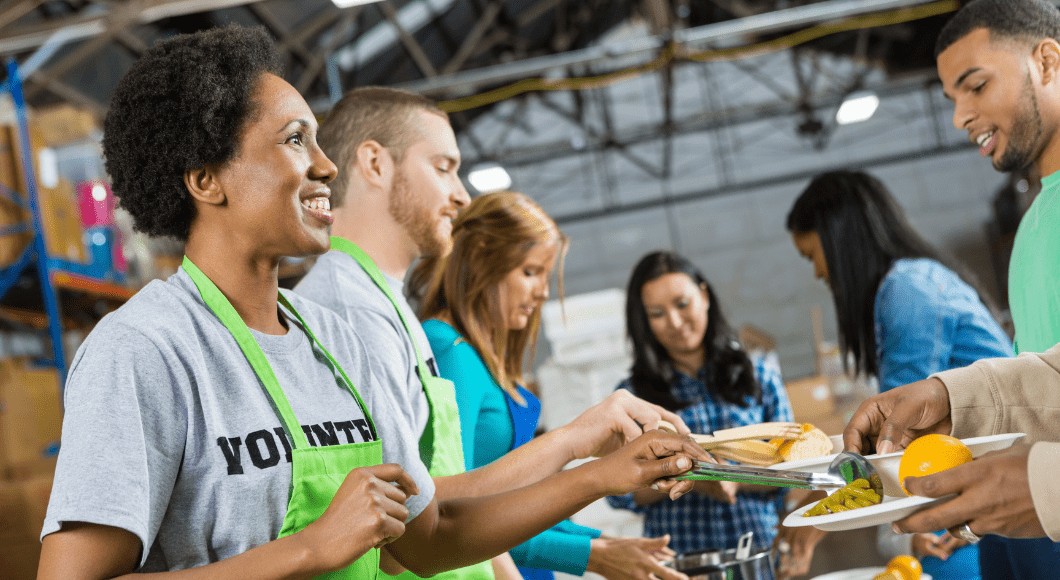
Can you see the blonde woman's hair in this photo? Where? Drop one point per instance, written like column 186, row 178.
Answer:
column 492, row 237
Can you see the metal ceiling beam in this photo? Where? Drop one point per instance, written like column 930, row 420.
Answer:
column 738, row 8
column 471, row 41
column 73, row 95
column 650, row 46
column 39, row 81
column 98, row 21
column 705, row 121
column 313, row 69
column 536, row 11
column 658, row 12
column 415, row 51
column 266, row 17
column 18, row 10
column 320, row 22
column 744, row 186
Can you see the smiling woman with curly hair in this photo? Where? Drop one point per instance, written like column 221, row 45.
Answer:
column 181, row 109
column 218, row 428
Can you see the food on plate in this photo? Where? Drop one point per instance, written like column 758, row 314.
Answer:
column 854, row 495
column 931, row 454
column 813, row 443
column 901, row 568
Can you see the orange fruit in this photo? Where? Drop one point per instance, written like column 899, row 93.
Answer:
column 931, row 454
column 907, row 567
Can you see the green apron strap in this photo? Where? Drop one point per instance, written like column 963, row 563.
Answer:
column 349, row 248
column 230, row 318
column 427, row 438
column 349, row 384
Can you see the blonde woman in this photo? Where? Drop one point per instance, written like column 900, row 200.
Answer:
column 482, row 310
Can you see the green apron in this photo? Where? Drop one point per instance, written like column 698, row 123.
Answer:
column 440, row 446
column 316, row 472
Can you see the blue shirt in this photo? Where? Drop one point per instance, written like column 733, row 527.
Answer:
column 928, row 320
column 695, row 522
column 488, row 433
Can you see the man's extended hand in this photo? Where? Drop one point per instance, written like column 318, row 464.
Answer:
column 891, row 420
column 615, row 421
column 993, row 497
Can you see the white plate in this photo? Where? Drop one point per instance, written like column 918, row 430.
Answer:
column 891, row 510
column 887, row 465
column 859, row 574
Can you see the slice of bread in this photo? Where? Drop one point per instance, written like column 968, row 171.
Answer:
column 813, row 443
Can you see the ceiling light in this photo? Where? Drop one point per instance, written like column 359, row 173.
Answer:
column 857, row 107
column 488, row 178
column 348, row 3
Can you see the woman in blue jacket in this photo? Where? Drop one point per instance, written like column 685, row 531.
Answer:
column 903, row 313
column 482, row 309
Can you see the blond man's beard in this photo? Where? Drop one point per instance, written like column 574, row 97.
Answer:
column 417, row 221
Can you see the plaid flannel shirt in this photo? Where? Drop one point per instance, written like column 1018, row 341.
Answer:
column 695, row 522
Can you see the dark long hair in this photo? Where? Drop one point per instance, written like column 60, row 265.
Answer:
column 730, row 373
column 863, row 231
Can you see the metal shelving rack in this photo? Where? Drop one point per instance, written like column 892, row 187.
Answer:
column 52, row 272
column 36, row 252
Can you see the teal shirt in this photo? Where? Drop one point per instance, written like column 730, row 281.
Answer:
column 1034, row 272
column 488, row 433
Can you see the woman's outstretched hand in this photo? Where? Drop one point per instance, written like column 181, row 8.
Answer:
column 615, row 421
column 651, row 460
column 621, row 558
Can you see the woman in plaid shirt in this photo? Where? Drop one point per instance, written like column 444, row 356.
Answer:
column 687, row 359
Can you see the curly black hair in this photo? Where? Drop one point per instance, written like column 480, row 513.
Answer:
column 1019, row 20
column 181, row 106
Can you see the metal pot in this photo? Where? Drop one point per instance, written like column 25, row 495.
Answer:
column 724, row 565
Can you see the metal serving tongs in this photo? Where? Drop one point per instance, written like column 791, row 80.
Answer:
column 845, row 468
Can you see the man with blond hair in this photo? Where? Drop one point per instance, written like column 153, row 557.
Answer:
column 394, row 200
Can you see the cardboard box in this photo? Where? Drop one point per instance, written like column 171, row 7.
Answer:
column 58, row 205
column 63, row 234
column 19, row 558
column 64, row 124
column 23, row 506
column 811, row 400
column 30, row 419
column 11, row 246
column 14, row 515
column 35, row 493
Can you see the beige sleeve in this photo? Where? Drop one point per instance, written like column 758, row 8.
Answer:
column 1043, row 471
column 1007, row 395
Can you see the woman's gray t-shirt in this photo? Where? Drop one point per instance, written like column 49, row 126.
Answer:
column 169, row 434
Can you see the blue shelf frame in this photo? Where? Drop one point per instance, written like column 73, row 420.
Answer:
column 36, row 252
column 100, row 267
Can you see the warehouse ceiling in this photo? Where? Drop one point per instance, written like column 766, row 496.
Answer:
column 636, row 124
column 76, row 50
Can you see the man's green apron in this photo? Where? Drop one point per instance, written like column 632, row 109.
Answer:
column 316, row 472
column 440, row 446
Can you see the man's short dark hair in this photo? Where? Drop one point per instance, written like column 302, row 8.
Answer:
column 182, row 106
column 1027, row 21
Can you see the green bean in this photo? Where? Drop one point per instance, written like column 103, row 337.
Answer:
column 856, row 494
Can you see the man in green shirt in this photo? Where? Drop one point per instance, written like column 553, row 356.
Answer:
column 999, row 62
